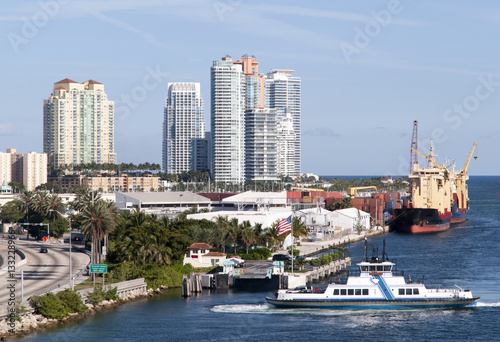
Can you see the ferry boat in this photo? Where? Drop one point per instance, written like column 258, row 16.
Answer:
column 377, row 286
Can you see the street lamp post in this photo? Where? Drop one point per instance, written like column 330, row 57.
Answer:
column 70, row 263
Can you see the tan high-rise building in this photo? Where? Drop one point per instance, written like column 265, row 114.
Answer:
column 29, row 169
column 78, row 124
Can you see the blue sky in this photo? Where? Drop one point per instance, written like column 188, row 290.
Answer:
column 368, row 69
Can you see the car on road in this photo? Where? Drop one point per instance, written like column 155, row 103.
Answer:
column 43, row 250
column 282, row 257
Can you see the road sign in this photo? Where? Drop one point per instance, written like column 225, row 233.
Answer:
column 44, row 238
column 98, row 268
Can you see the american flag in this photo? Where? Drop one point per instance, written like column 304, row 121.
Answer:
column 284, row 226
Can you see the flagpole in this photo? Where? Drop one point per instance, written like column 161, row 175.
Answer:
column 293, row 256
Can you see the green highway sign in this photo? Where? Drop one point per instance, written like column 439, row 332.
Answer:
column 98, row 268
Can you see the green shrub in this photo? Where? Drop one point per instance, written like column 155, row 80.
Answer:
column 59, row 305
column 97, row 296
column 50, row 306
column 72, row 301
column 111, row 294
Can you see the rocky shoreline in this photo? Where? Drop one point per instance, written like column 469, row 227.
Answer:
column 32, row 322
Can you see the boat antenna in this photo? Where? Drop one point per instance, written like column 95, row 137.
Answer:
column 365, row 257
column 383, row 252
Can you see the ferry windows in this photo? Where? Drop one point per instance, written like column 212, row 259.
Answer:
column 343, row 292
column 408, row 291
column 401, row 292
column 350, row 292
column 380, row 268
column 357, row 292
column 415, row 291
column 373, row 268
column 363, row 268
column 336, row 292
column 387, row 268
column 365, row 292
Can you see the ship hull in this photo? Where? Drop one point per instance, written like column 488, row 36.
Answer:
column 458, row 216
column 374, row 304
column 419, row 221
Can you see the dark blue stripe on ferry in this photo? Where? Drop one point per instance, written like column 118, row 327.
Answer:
column 383, row 287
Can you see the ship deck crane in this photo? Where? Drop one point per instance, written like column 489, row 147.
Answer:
column 459, row 177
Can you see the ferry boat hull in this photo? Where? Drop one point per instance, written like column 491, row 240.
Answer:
column 418, row 220
column 374, row 304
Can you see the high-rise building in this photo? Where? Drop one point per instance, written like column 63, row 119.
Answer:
column 241, row 123
column 285, row 156
column 253, row 84
column 260, row 144
column 200, row 153
column 184, row 120
column 78, row 124
column 282, row 92
column 29, row 169
column 227, row 121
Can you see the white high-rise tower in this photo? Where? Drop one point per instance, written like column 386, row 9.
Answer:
column 227, row 121
column 282, row 92
column 184, row 121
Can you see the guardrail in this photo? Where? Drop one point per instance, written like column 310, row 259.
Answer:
column 123, row 289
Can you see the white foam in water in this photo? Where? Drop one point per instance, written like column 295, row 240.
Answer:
column 241, row 308
column 488, row 304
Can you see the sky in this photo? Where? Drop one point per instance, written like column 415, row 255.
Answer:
column 369, row 68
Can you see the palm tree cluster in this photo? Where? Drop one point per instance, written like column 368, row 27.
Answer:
column 229, row 233
column 111, row 167
column 41, row 204
column 97, row 219
column 144, row 239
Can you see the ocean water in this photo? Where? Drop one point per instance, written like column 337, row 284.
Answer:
column 468, row 255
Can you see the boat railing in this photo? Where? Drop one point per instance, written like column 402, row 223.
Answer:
column 357, row 273
column 440, row 290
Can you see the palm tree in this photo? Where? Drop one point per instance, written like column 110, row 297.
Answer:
column 98, row 220
column 54, row 205
column 41, row 203
column 84, row 197
column 247, row 237
column 27, row 198
column 299, row 229
column 233, row 232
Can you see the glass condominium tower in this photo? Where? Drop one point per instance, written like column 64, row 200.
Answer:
column 78, row 124
column 282, row 93
column 183, row 125
column 227, row 121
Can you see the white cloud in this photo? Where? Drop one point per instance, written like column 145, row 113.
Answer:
column 6, row 129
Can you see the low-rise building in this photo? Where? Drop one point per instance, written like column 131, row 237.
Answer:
column 199, row 255
column 123, row 183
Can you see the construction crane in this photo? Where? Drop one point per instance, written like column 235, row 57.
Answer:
column 414, row 147
column 354, row 190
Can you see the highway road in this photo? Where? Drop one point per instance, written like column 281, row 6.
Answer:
column 43, row 270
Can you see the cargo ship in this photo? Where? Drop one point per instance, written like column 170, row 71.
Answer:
column 438, row 198
column 429, row 207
